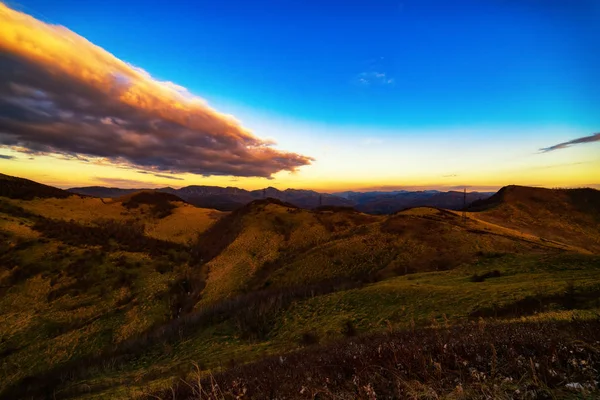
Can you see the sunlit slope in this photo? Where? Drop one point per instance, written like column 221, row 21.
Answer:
column 256, row 240
column 64, row 294
column 181, row 224
column 570, row 216
column 270, row 244
column 80, row 274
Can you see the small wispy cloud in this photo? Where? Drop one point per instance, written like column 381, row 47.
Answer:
column 6, row 157
column 586, row 139
column 160, row 175
column 374, row 78
column 126, row 183
column 449, row 176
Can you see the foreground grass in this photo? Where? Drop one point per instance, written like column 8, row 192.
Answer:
column 472, row 361
column 434, row 299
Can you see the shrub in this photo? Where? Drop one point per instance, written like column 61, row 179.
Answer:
column 309, row 338
column 348, row 329
column 570, row 295
column 481, row 278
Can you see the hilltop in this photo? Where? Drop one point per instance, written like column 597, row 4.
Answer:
column 564, row 215
column 24, row 189
column 145, row 294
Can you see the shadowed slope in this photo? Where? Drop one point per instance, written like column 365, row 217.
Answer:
column 271, row 244
column 149, row 197
column 566, row 215
column 24, row 189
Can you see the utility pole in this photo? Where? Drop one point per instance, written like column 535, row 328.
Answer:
column 320, row 200
column 464, row 213
column 264, row 193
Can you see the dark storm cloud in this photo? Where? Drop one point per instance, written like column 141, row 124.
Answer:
column 586, row 139
column 60, row 94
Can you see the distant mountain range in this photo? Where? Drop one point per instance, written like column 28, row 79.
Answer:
column 231, row 198
column 390, row 202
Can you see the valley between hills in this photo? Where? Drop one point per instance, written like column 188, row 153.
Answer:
column 144, row 295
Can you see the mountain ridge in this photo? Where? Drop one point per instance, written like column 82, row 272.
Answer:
column 230, row 198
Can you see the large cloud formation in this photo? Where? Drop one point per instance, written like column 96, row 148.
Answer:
column 61, row 94
column 586, row 139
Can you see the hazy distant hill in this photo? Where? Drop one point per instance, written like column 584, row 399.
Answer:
column 386, row 203
column 231, row 198
column 105, row 192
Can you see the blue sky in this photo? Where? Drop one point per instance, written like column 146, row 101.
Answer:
column 326, row 74
column 450, row 63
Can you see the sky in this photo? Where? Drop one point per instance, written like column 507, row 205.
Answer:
column 330, row 96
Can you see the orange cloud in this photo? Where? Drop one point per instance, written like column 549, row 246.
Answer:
column 59, row 93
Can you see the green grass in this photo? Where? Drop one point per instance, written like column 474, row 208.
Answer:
column 418, row 300
column 421, row 297
column 61, row 303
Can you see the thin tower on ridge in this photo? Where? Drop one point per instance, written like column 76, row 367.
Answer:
column 464, row 212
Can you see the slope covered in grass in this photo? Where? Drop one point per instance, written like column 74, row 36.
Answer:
column 473, row 361
column 565, row 215
column 19, row 188
column 78, row 275
column 166, row 218
column 533, row 288
column 270, row 244
column 113, row 299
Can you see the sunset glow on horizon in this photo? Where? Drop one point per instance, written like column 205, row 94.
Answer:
column 516, row 103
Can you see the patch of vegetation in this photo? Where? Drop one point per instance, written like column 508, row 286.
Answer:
column 519, row 361
column 161, row 203
column 110, row 234
column 19, row 188
column 491, row 274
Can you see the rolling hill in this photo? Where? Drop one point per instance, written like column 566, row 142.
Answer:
column 19, row 188
column 563, row 215
column 145, row 295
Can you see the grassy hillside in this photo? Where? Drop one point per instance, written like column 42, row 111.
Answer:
column 564, row 215
column 79, row 274
column 273, row 245
column 171, row 220
column 19, row 188
column 530, row 288
column 144, row 295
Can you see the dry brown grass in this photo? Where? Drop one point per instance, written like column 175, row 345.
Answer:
column 566, row 216
column 182, row 226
